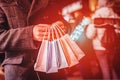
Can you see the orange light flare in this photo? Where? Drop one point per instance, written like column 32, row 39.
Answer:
column 93, row 5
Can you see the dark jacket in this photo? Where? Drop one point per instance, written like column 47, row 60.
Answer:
column 16, row 31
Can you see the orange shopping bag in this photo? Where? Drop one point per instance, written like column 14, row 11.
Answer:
column 75, row 48
column 69, row 54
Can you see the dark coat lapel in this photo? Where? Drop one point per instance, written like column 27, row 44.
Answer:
column 36, row 5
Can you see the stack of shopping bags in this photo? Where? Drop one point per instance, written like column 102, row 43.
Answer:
column 58, row 51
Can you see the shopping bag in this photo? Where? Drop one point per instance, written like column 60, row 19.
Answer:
column 69, row 54
column 61, row 59
column 41, row 61
column 75, row 48
column 52, row 58
column 40, row 64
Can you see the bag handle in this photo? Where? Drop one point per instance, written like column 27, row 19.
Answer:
column 59, row 29
column 49, row 34
column 43, row 38
column 56, row 32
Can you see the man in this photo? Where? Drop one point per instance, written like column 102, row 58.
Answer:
column 17, row 40
column 104, row 55
column 20, row 35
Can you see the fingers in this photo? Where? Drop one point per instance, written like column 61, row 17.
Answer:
column 48, row 32
column 43, row 25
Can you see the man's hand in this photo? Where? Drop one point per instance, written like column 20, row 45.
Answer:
column 59, row 26
column 40, row 32
column 48, row 32
column 2, row 75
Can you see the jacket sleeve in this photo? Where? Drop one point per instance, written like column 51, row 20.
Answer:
column 15, row 39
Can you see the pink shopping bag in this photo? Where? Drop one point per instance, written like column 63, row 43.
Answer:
column 69, row 54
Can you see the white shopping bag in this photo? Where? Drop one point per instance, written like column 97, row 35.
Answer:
column 41, row 61
column 61, row 59
column 52, row 65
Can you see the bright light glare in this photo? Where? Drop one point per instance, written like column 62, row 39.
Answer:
column 79, row 29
